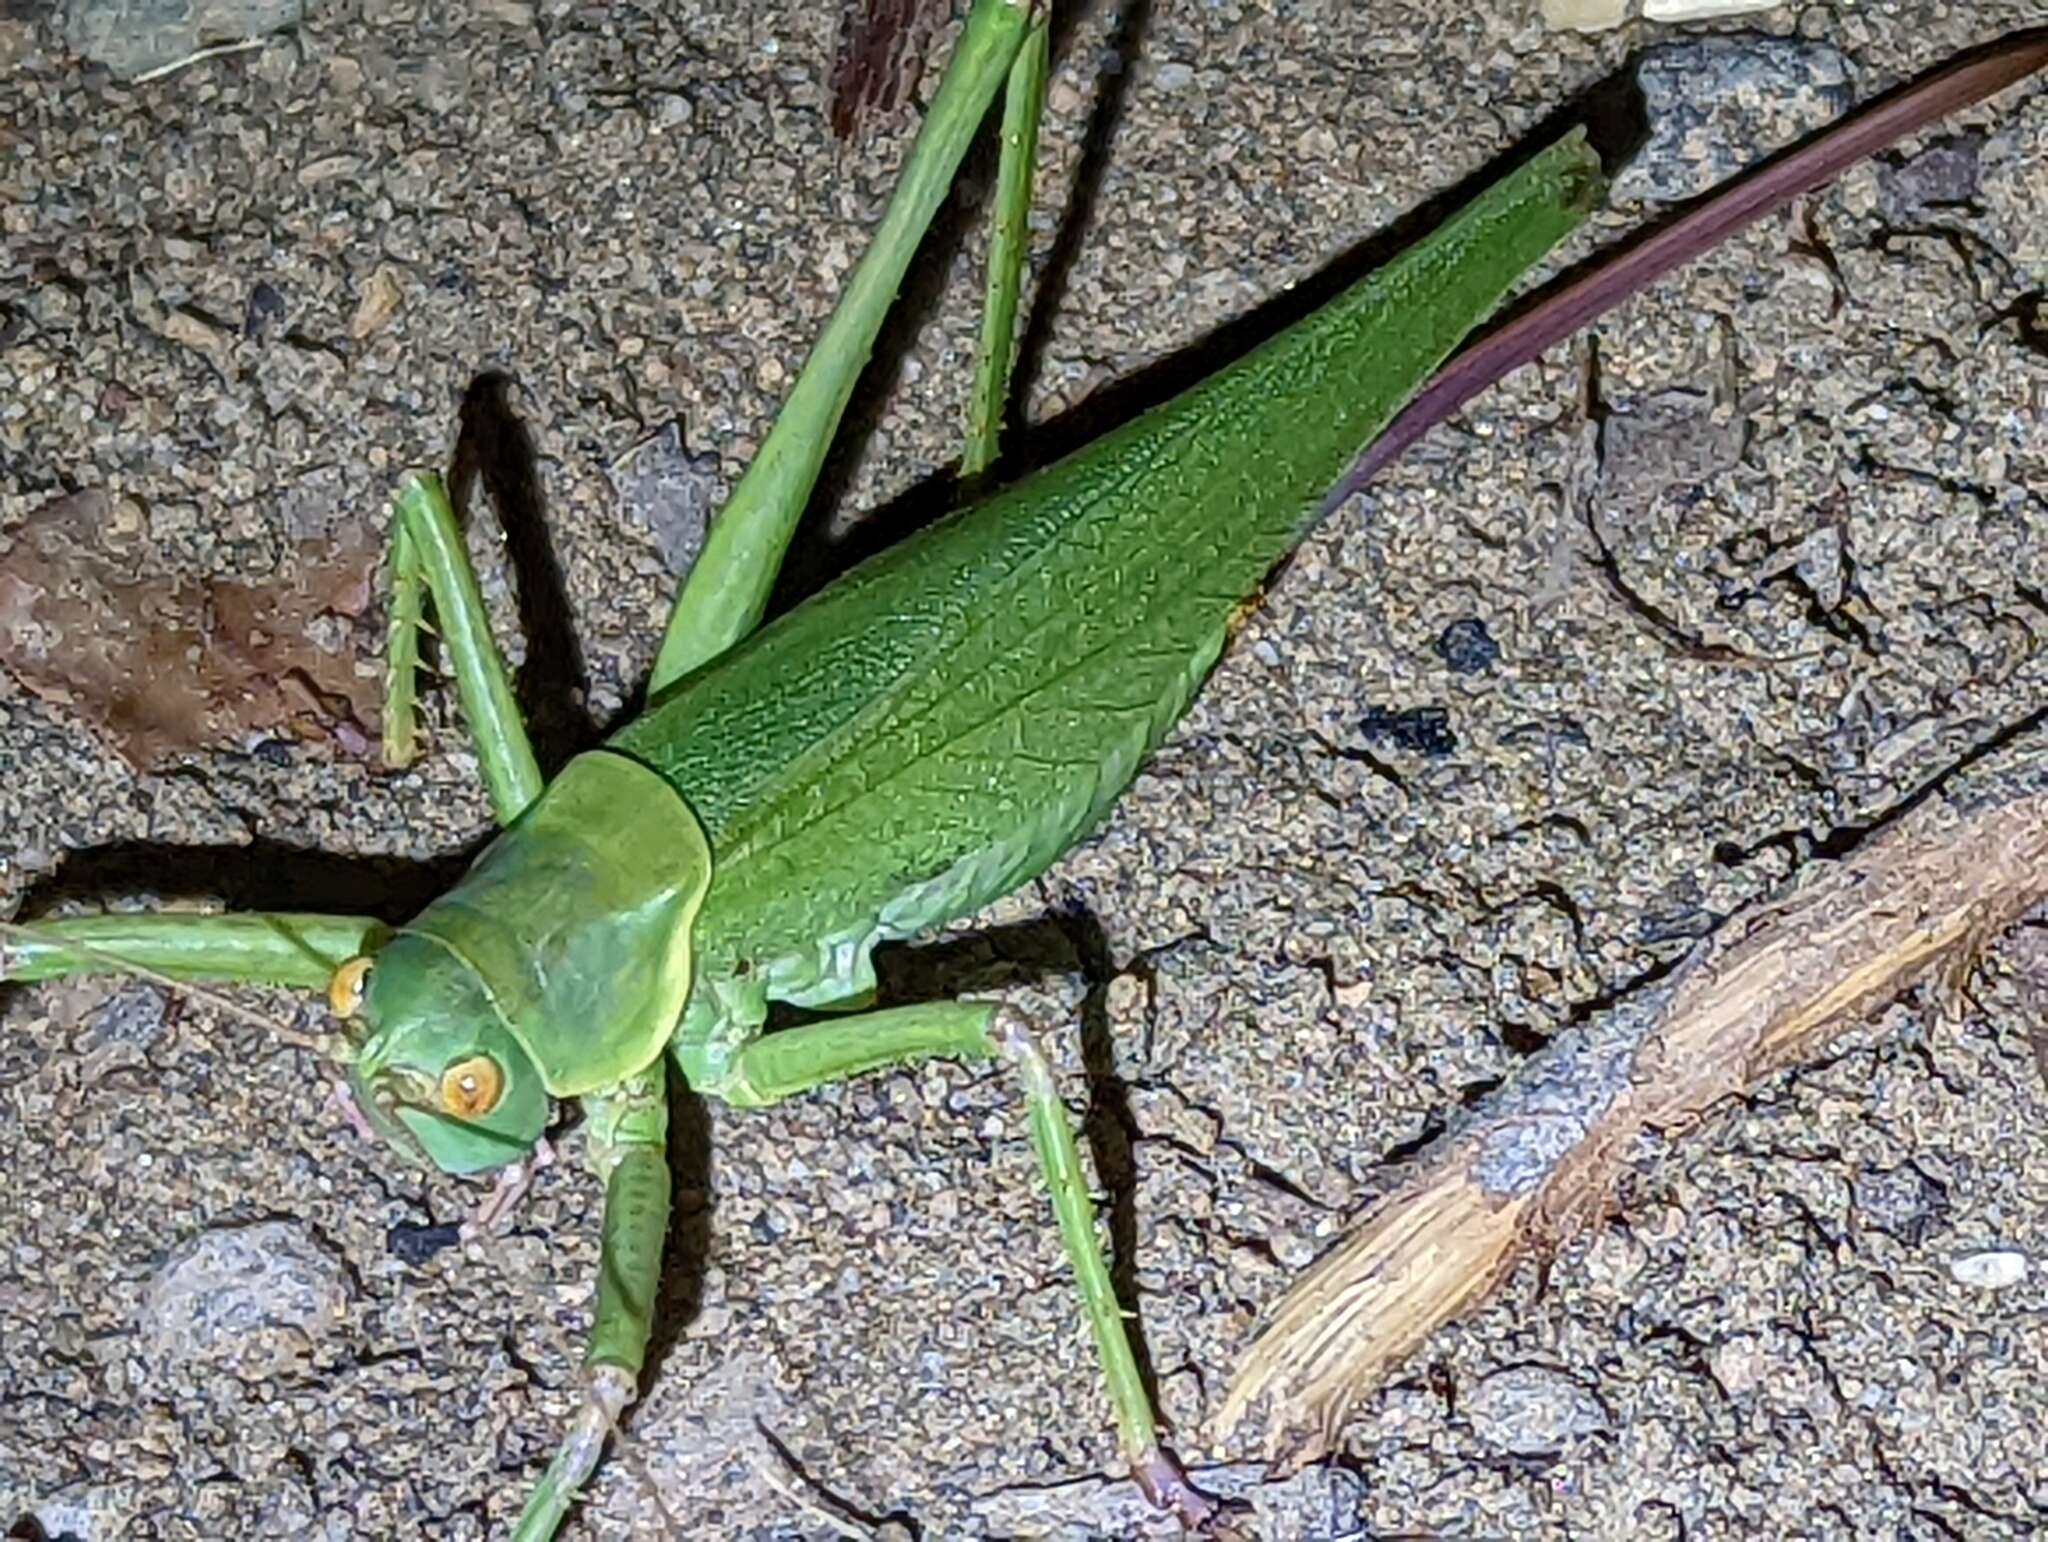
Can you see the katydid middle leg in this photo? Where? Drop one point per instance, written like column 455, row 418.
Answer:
column 627, row 1130
column 799, row 1060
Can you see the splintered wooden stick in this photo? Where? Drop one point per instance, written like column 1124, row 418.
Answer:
column 1913, row 904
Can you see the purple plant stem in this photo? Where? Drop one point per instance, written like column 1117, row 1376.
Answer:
column 1608, row 280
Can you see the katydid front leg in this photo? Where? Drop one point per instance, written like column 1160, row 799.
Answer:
column 427, row 548
column 305, row 950
column 627, row 1129
column 246, row 948
column 798, row 1060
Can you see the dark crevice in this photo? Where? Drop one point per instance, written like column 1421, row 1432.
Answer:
column 1879, row 471
column 835, row 1504
column 1617, row 995
column 1845, row 838
column 1971, row 251
column 1366, row 758
column 1522, row 1039
column 1433, row 1126
column 2025, row 315
column 1568, row 823
column 1795, row 844
column 1811, row 243
column 1660, row 623
column 1836, row 620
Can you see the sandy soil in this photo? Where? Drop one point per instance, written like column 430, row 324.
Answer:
column 1799, row 574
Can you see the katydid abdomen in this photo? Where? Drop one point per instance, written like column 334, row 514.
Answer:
column 942, row 722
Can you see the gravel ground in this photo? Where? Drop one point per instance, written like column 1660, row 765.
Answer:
column 1739, row 573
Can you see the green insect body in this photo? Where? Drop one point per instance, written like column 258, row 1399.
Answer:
column 563, row 958
column 942, row 723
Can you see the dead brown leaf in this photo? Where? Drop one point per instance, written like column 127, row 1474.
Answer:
column 157, row 665
column 380, row 302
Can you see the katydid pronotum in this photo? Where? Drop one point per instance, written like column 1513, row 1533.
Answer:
column 917, row 740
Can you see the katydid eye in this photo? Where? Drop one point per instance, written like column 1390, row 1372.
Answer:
column 471, row 1088
column 345, row 990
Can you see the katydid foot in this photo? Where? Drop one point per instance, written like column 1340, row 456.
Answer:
column 607, row 1392
column 1156, row 1470
column 1166, row 1484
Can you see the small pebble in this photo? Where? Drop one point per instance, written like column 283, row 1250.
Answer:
column 1702, row 10
column 1819, row 565
column 668, row 491
column 1584, row 15
column 132, row 38
column 1941, row 176
column 1467, row 648
column 1992, row 1269
column 381, row 297
column 253, row 1300
column 1902, row 1200
column 1531, row 1410
column 1717, row 105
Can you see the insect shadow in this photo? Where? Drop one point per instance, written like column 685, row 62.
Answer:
column 495, row 451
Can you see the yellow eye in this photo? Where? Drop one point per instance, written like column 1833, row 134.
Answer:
column 345, row 990
column 471, row 1088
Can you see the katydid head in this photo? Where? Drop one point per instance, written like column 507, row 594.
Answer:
column 439, row 1075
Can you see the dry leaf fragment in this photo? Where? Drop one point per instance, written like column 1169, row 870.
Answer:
column 158, row 664
column 380, row 301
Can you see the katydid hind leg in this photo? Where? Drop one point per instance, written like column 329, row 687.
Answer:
column 727, row 589
column 795, row 1061
column 1009, row 241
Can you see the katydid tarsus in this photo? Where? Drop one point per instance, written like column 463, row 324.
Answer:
column 918, row 739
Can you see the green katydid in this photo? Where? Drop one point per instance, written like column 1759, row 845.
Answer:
column 915, row 741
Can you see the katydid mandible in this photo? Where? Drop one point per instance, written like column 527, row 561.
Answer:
column 918, row 739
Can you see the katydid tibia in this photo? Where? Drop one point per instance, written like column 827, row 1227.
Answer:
column 918, row 739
